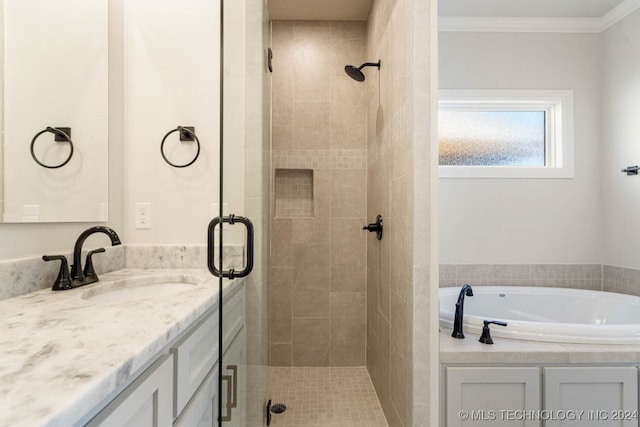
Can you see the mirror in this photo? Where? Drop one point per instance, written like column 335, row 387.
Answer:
column 54, row 151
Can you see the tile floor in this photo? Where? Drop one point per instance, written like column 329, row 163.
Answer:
column 327, row 397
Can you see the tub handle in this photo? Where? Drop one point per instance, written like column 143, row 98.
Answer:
column 486, row 333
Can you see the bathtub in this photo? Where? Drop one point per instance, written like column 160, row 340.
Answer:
column 547, row 314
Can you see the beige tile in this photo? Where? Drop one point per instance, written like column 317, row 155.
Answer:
column 348, row 127
column 346, row 91
column 311, row 302
column 348, row 255
column 311, row 266
column 282, row 137
column 325, row 397
column 348, row 194
column 281, row 243
column 311, row 341
column 281, row 354
column 348, row 328
column 311, row 125
column 347, row 343
column 322, row 194
column 282, row 113
column 348, row 46
column 400, row 386
column 281, row 304
column 310, row 231
column 312, row 55
column 401, row 331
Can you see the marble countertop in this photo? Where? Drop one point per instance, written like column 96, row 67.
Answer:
column 504, row 350
column 61, row 355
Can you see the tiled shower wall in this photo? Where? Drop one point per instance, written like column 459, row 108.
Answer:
column 318, row 263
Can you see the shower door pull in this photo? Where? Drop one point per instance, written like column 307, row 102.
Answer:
column 231, row 273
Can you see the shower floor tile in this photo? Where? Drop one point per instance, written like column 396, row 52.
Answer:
column 327, row 397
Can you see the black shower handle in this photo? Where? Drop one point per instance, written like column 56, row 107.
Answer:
column 231, row 273
column 375, row 227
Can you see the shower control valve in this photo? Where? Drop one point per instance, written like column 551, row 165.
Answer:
column 375, row 227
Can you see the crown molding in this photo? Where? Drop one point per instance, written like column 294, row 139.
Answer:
column 537, row 25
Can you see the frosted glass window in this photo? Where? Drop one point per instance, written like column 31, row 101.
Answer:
column 492, row 138
column 505, row 133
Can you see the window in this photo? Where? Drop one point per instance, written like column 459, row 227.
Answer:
column 505, row 134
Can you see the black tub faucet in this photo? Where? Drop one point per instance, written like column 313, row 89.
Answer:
column 459, row 317
column 78, row 277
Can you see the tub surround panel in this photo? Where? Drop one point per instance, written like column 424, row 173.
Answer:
column 319, row 126
column 621, row 280
column 581, row 276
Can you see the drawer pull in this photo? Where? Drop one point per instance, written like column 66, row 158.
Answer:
column 232, row 391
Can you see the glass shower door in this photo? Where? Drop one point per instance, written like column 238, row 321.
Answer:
column 243, row 213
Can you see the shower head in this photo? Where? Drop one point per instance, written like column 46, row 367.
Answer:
column 355, row 72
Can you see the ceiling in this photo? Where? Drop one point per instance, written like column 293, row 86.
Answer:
column 334, row 10
column 527, row 8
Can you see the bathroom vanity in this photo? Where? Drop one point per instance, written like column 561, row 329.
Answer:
column 129, row 350
column 537, row 384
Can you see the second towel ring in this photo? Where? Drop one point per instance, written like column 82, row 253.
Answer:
column 186, row 134
column 60, row 135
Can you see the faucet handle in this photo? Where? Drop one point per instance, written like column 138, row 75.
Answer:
column 63, row 281
column 486, row 333
column 89, row 271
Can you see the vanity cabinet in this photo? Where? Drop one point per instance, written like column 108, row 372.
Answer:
column 202, row 410
column 234, row 380
column 180, row 388
column 606, row 395
column 534, row 396
column 476, row 396
column 147, row 402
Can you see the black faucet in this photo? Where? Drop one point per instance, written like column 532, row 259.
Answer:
column 458, row 320
column 78, row 277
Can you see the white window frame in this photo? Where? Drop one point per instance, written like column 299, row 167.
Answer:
column 558, row 105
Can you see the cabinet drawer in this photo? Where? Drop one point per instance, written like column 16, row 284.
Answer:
column 233, row 315
column 202, row 410
column 145, row 403
column 194, row 356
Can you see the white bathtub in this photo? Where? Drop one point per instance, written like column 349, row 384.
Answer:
column 547, row 314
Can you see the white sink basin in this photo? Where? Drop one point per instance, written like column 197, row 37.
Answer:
column 139, row 288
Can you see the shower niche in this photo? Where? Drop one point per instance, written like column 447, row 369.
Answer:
column 294, row 193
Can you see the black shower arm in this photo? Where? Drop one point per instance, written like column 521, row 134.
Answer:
column 369, row 64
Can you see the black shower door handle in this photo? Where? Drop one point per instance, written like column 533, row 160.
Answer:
column 211, row 261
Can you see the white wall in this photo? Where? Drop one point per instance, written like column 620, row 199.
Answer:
column 621, row 142
column 509, row 221
column 172, row 78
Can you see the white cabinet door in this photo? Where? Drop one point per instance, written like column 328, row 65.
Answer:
column 147, row 402
column 202, row 410
column 607, row 396
column 194, row 355
column 491, row 397
column 234, row 379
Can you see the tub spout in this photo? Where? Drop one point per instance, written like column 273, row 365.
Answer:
column 459, row 317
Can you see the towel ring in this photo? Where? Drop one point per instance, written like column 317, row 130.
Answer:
column 186, row 134
column 60, row 136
